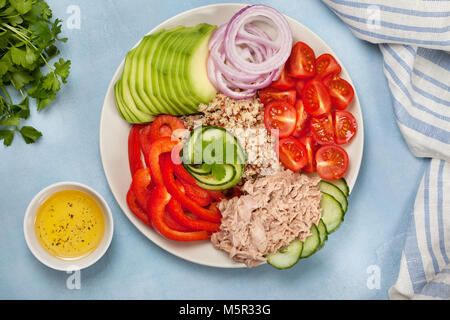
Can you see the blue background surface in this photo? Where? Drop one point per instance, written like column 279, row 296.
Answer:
column 135, row 268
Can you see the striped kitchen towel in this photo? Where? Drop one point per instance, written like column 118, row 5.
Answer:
column 414, row 38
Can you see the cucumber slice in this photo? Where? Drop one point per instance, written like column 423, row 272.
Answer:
column 287, row 256
column 342, row 185
column 311, row 243
column 197, row 169
column 233, row 174
column 332, row 213
column 331, row 189
column 323, row 233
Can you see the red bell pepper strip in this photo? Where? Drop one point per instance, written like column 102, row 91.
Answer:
column 157, row 148
column 174, row 190
column 199, row 195
column 144, row 140
column 140, row 184
column 182, row 174
column 164, row 125
column 134, row 149
column 172, row 223
column 136, row 209
column 177, row 213
column 159, row 198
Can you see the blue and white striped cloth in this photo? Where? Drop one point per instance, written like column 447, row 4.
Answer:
column 414, row 38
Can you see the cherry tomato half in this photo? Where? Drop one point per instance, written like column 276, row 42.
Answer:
column 331, row 162
column 327, row 66
column 345, row 126
column 322, row 129
column 299, row 87
column 311, row 147
column 316, row 98
column 302, row 62
column 303, row 119
column 341, row 93
column 269, row 94
column 280, row 118
column 284, row 81
column 292, row 153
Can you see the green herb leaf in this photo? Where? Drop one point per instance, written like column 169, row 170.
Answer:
column 30, row 134
column 7, row 136
column 27, row 43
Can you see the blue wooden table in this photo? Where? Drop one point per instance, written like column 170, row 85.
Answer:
column 360, row 260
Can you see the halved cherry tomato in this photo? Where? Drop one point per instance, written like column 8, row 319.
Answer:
column 292, row 153
column 302, row 61
column 316, row 98
column 159, row 198
column 163, row 126
column 311, row 147
column 137, row 210
column 158, row 147
column 269, row 94
column 299, row 85
column 141, row 182
column 134, row 149
column 280, row 118
column 322, row 129
column 284, row 81
column 327, row 66
column 345, row 126
column 331, row 162
column 341, row 93
column 303, row 119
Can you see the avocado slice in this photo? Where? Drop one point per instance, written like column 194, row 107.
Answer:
column 156, row 68
column 164, row 77
column 185, row 43
column 171, row 74
column 130, row 108
column 130, row 98
column 145, row 51
column 195, row 68
column 120, row 105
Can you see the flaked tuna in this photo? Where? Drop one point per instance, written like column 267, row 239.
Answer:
column 273, row 211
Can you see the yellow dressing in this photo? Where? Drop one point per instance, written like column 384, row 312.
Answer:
column 70, row 224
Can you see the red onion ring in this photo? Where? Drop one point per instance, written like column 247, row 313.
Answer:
column 284, row 35
column 242, row 43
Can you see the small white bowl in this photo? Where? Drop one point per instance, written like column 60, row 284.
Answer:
column 33, row 242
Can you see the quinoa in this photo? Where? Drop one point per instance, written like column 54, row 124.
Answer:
column 245, row 119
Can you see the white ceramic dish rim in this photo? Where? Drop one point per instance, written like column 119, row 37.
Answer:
column 33, row 242
column 151, row 234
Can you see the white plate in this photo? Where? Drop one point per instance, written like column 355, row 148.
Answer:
column 114, row 135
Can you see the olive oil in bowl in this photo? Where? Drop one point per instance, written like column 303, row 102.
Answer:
column 70, row 224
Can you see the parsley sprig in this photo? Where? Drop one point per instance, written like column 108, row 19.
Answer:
column 28, row 38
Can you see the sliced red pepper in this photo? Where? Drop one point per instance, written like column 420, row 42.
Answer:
column 172, row 223
column 134, row 149
column 176, row 211
column 140, row 184
column 174, row 190
column 157, row 148
column 163, row 126
column 199, row 195
column 144, row 139
column 159, row 198
column 133, row 205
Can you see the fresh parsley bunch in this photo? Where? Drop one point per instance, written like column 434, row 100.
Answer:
column 28, row 40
